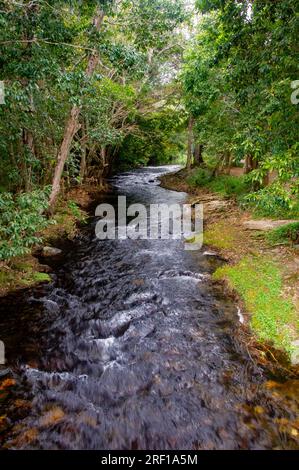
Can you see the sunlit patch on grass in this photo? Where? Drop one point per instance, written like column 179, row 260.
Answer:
column 220, row 235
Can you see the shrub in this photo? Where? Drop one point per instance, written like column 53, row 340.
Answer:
column 76, row 211
column 275, row 200
column 226, row 185
column 230, row 185
column 21, row 218
column 200, row 177
column 283, row 235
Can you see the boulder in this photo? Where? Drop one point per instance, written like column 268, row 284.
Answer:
column 44, row 268
column 295, row 352
column 49, row 251
column 216, row 205
column 4, row 372
column 264, row 225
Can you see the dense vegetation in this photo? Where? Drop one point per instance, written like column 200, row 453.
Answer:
column 97, row 86
column 239, row 78
column 86, row 90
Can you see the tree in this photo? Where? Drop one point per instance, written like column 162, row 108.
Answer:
column 72, row 123
column 237, row 80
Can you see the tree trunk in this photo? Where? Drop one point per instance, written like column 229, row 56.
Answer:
column 266, row 179
column 198, row 159
column 249, row 164
column 190, row 142
column 83, row 162
column 72, row 125
column 28, row 143
column 226, row 163
column 103, row 164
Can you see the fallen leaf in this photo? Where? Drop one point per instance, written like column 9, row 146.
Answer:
column 271, row 384
column 53, row 416
column 3, row 420
column 7, row 383
column 259, row 410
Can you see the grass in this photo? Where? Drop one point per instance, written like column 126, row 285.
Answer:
column 275, row 212
column 259, row 282
column 221, row 235
column 285, row 235
column 225, row 185
column 199, row 177
column 275, row 200
column 22, row 272
column 41, row 277
column 64, row 222
column 229, row 186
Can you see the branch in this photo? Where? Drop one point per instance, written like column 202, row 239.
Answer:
column 45, row 41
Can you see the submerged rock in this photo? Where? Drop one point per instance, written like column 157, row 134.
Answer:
column 4, row 372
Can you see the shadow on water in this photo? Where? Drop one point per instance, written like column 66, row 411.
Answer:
column 132, row 347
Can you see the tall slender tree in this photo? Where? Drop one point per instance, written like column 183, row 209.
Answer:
column 72, row 123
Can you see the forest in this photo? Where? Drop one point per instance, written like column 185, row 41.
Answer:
column 95, row 87
column 83, row 95
column 103, row 96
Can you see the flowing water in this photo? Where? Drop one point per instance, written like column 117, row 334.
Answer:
column 132, row 346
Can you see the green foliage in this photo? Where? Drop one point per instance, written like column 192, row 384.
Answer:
column 275, row 200
column 45, row 49
column 41, row 277
column 76, row 211
column 200, row 177
column 229, row 185
column 153, row 21
column 21, row 219
column 160, row 139
column 236, row 79
column 207, row 5
column 43, row 60
column 226, row 185
column 259, row 281
column 284, row 235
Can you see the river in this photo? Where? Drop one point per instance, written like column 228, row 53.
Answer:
column 133, row 346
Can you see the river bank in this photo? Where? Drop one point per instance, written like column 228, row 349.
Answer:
column 263, row 276
column 133, row 345
column 73, row 211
